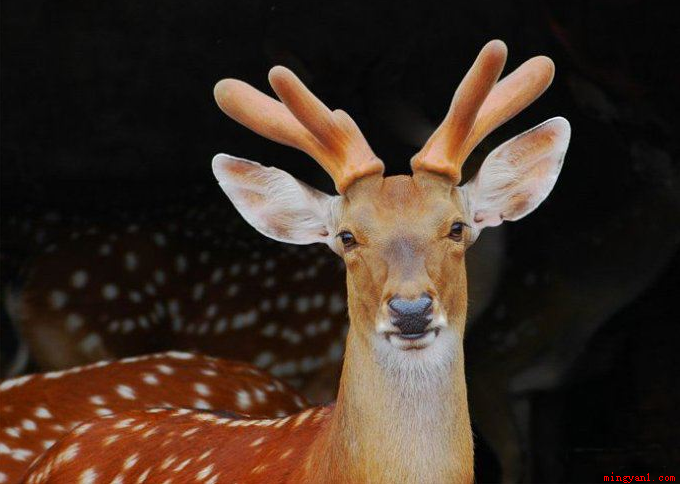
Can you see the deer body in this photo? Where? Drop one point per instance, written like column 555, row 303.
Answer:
column 263, row 306
column 38, row 410
column 401, row 413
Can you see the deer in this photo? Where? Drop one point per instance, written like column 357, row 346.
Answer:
column 39, row 409
column 132, row 296
column 401, row 414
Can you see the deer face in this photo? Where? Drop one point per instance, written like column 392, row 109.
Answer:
column 403, row 238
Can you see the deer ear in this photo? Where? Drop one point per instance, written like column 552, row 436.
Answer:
column 518, row 175
column 275, row 203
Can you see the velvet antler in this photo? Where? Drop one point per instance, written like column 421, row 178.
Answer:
column 479, row 106
column 302, row 121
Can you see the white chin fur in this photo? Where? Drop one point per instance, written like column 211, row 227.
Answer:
column 425, row 359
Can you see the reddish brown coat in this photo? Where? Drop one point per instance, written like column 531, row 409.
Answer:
column 37, row 410
column 181, row 445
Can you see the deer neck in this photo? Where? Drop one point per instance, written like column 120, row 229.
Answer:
column 396, row 423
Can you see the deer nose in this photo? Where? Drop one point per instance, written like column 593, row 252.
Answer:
column 411, row 316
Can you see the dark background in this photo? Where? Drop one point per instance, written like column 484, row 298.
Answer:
column 107, row 111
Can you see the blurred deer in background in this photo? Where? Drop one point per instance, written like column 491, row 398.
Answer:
column 37, row 410
column 145, row 293
column 401, row 413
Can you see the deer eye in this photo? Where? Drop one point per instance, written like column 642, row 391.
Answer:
column 456, row 232
column 347, row 239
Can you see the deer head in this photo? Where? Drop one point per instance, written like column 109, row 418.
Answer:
column 403, row 238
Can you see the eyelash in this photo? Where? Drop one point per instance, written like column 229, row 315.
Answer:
column 347, row 239
column 457, row 230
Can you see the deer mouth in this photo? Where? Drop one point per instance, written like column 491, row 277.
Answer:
column 413, row 341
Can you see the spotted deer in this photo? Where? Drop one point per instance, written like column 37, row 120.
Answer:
column 401, row 414
column 149, row 290
column 37, row 410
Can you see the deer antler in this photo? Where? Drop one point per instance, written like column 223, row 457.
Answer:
column 479, row 106
column 302, row 121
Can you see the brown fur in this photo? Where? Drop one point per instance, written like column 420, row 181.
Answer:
column 42, row 408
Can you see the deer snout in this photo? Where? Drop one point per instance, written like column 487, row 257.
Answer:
column 411, row 316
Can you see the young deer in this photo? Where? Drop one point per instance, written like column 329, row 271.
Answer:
column 401, row 413
column 38, row 410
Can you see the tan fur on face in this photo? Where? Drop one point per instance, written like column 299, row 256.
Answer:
column 401, row 225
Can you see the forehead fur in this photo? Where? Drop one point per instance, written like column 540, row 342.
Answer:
column 403, row 201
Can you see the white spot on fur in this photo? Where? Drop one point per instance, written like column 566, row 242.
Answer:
column 182, row 465
column 181, row 264
column 217, row 275
column 257, row 442
column 165, row 369
column 179, row 355
column 264, row 359
column 159, row 276
column 336, row 304
column 110, row 292
column 126, row 392
column 221, row 325
column 48, row 443
column 205, row 472
column 42, row 412
column 131, row 261
column 74, row 322
column 198, row 291
column 79, row 279
column 150, row 379
column 90, row 343
column 202, row 389
column 130, row 461
column 14, row 382
column 89, row 476
column 243, row 400
column 159, row 239
column 58, row 299
column 202, row 404
column 29, row 425
column 69, row 453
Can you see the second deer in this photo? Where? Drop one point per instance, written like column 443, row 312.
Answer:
column 401, row 413
column 37, row 410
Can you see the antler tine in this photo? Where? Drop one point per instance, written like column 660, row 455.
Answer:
column 260, row 113
column 481, row 105
column 305, row 106
column 304, row 122
column 509, row 97
column 439, row 154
